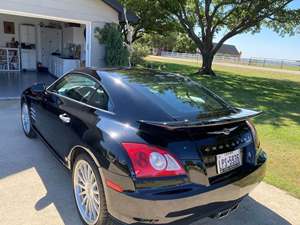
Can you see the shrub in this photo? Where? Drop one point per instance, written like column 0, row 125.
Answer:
column 139, row 52
column 116, row 54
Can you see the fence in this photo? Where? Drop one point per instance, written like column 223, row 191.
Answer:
column 219, row 58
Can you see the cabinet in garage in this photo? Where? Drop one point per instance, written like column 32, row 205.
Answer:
column 28, row 34
column 51, row 41
column 28, row 57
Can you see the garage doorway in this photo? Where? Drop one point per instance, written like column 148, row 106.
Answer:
column 38, row 48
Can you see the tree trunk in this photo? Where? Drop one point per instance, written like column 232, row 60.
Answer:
column 206, row 69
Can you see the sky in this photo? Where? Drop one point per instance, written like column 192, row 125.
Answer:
column 268, row 44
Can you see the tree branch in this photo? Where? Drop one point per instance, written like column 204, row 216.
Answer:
column 198, row 14
column 246, row 24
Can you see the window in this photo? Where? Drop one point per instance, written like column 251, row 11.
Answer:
column 100, row 99
column 176, row 95
column 76, row 86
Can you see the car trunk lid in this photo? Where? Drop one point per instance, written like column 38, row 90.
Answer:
column 197, row 143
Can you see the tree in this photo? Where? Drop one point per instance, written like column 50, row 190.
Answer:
column 172, row 41
column 165, row 42
column 184, row 44
column 152, row 19
column 116, row 54
column 203, row 19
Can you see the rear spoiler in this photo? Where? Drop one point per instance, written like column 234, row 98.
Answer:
column 238, row 116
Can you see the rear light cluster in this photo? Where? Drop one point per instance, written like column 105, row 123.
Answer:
column 254, row 133
column 149, row 161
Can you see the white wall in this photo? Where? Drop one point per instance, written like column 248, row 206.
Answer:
column 97, row 50
column 4, row 38
column 68, row 10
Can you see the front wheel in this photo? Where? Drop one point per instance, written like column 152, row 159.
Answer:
column 26, row 121
column 88, row 192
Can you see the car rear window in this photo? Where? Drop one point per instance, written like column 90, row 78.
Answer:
column 177, row 95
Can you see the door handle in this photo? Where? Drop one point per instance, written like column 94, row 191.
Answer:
column 65, row 118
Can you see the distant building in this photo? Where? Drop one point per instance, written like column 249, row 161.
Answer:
column 229, row 51
column 226, row 51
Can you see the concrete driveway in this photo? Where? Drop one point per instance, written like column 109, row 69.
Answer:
column 36, row 190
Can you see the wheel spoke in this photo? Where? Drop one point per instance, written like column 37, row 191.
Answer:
column 83, row 192
column 81, row 186
column 94, row 204
column 89, row 172
column 96, row 200
column 81, row 178
column 90, row 209
column 84, row 200
column 94, row 209
column 86, row 208
column 83, row 173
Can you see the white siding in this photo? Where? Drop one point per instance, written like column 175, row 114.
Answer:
column 92, row 13
column 97, row 50
column 66, row 10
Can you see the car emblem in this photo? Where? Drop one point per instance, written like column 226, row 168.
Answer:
column 225, row 131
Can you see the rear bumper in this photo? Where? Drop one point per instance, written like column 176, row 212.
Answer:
column 194, row 201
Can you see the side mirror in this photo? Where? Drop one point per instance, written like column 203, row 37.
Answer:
column 38, row 88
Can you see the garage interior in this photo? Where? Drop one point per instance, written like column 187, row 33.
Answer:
column 34, row 50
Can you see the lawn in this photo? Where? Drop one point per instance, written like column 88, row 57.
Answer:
column 276, row 94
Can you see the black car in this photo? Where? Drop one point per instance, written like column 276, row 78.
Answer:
column 145, row 146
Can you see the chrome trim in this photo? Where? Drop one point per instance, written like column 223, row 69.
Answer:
column 109, row 112
column 225, row 131
column 57, row 80
column 68, row 158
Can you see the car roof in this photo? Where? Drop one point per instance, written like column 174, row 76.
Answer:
column 131, row 98
column 127, row 101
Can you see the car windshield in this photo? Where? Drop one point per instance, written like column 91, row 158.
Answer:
column 177, row 95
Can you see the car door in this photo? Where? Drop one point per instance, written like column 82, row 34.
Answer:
column 65, row 112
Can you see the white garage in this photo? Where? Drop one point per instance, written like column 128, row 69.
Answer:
column 51, row 36
column 77, row 16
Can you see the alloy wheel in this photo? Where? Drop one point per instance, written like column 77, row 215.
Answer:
column 26, row 118
column 86, row 192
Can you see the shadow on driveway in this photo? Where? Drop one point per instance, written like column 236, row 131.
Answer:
column 36, row 189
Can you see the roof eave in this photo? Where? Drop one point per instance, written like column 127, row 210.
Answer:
column 132, row 18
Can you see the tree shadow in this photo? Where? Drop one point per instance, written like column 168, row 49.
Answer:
column 278, row 99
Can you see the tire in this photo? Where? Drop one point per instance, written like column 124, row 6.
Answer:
column 103, row 217
column 27, row 121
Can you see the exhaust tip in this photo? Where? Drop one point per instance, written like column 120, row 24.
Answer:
column 235, row 207
column 225, row 213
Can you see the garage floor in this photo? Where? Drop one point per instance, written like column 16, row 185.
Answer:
column 12, row 84
column 36, row 190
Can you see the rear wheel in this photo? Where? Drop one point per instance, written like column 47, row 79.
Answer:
column 26, row 121
column 88, row 192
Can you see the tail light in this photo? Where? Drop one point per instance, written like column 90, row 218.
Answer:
column 149, row 161
column 254, row 133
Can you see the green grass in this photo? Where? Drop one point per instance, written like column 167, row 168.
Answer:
column 277, row 95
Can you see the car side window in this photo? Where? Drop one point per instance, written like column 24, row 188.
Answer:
column 100, row 99
column 76, row 86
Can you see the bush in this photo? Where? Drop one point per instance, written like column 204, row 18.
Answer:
column 140, row 51
column 116, row 54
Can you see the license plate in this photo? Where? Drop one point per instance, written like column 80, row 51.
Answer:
column 229, row 161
